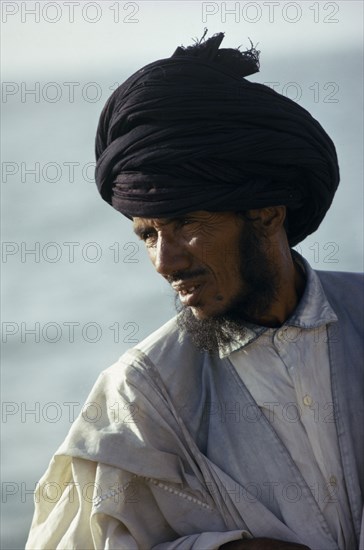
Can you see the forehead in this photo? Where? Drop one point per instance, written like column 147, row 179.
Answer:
column 202, row 217
column 141, row 224
column 137, row 221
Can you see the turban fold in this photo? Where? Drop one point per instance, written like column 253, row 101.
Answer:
column 191, row 133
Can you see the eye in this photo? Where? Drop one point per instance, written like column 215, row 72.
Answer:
column 149, row 237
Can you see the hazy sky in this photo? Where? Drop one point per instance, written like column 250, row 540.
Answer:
column 51, row 36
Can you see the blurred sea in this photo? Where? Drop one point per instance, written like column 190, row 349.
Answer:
column 93, row 308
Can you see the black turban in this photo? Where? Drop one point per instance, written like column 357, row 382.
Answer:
column 191, row 133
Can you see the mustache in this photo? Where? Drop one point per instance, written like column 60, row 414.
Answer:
column 185, row 275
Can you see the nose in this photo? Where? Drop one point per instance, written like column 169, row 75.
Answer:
column 170, row 256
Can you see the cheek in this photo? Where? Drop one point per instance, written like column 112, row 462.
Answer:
column 220, row 257
column 228, row 283
column 198, row 248
column 227, row 270
column 209, row 254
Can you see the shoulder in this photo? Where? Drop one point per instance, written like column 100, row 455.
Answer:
column 168, row 344
column 345, row 292
column 343, row 278
column 167, row 355
column 167, row 335
column 344, row 284
column 135, row 395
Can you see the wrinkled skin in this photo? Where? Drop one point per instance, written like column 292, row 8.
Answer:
column 199, row 254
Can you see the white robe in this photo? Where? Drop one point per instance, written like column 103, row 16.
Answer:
column 149, row 463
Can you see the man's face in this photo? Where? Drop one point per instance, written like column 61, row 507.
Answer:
column 199, row 255
column 216, row 262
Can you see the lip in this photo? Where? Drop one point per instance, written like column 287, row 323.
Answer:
column 189, row 292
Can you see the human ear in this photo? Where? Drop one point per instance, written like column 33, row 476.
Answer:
column 268, row 220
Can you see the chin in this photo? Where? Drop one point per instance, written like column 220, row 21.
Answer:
column 202, row 313
column 198, row 313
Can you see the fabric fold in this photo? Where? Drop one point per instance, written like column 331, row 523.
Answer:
column 194, row 121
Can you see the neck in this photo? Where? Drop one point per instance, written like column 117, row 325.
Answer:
column 290, row 287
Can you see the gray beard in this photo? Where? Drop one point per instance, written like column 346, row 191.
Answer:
column 210, row 334
column 259, row 280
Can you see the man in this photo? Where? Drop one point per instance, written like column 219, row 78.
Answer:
column 236, row 425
